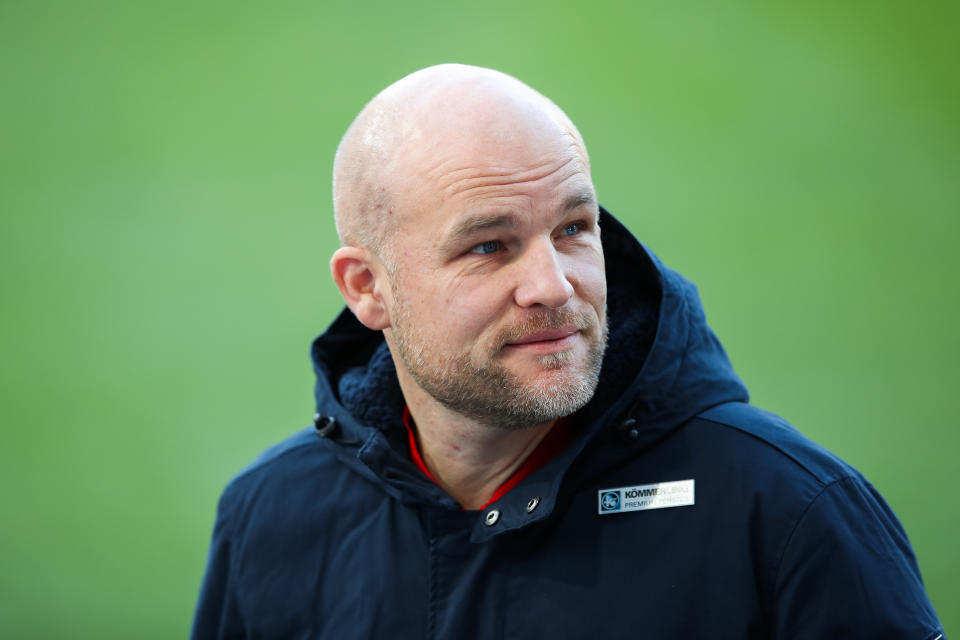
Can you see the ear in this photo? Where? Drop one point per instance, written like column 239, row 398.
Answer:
column 359, row 276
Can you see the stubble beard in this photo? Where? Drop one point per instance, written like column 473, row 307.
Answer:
column 488, row 392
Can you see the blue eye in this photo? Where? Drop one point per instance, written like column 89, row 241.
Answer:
column 572, row 229
column 485, row 248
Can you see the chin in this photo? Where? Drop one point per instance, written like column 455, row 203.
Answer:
column 556, row 360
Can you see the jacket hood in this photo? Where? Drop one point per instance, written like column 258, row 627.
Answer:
column 663, row 363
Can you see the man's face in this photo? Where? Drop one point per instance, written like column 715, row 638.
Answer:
column 498, row 292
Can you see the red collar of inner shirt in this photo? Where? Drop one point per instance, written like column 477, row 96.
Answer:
column 555, row 441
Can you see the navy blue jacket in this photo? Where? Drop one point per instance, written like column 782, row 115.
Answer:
column 335, row 533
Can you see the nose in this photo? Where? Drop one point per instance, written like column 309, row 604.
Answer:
column 541, row 278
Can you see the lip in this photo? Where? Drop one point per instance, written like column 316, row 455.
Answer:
column 548, row 336
column 546, row 342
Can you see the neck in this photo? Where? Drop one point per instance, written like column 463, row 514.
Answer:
column 468, row 459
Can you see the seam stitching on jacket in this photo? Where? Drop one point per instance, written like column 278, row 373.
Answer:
column 796, row 526
column 774, row 446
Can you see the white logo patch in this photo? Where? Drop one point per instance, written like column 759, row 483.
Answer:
column 660, row 495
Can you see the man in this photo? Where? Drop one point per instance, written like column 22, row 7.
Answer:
column 480, row 469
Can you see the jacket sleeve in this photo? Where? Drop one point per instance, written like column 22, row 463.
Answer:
column 217, row 614
column 848, row 571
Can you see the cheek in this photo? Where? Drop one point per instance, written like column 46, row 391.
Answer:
column 598, row 287
column 445, row 316
column 473, row 308
column 590, row 280
column 476, row 308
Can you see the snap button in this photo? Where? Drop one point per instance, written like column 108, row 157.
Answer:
column 491, row 518
column 533, row 504
column 325, row 425
column 629, row 431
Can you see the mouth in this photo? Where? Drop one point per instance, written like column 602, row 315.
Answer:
column 549, row 335
column 546, row 341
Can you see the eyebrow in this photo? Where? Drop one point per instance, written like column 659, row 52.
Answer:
column 579, row 199
column 475, row 224
column 484, row 222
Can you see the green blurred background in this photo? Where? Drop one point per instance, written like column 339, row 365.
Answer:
column 166, row 226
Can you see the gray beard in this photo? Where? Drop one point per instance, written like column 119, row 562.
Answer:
column 492, row 395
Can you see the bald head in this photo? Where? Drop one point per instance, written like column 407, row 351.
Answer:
column 394, row 144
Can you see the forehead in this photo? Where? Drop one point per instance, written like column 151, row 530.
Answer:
column 521, row 170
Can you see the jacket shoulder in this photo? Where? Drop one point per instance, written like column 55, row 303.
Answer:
column 782, row 439
column 283, row 471
column 289, row 447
